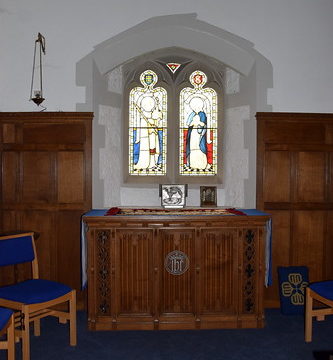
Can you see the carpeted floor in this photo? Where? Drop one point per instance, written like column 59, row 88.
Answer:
column 281, row 339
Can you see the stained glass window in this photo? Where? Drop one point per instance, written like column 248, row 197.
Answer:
column 173, row 67
column 198, row 128
column 147, row 127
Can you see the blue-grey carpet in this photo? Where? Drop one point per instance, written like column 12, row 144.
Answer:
column 281, row 339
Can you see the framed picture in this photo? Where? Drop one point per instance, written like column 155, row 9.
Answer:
column 173, row 195
column 208, row 196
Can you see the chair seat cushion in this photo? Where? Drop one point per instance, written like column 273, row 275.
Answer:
column 5, row 315
column 323, row 288
column 34, row 291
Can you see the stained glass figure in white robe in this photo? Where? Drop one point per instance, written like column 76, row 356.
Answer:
column 147, row 127
column 198, row 128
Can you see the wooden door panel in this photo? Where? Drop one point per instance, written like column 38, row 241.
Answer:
column 308, row 241
column 277, row 176
column 37, row 177
column 177, row 293
column 134, row 271
column 311, row 171
column 70, row 176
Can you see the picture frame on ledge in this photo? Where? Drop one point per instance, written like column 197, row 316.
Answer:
column 173, row 196
column 208, row 196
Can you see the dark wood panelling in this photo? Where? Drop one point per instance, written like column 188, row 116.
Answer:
column 37, row 177
column 36, row 133
column 10, row 181
column 70, row 177
column 8, row 133
column 308, row 229
column 67, row 253
column 45, row 161
column 294, row 132
column 294, row 184
column 311, row 179
column 42, row 222
column 277, row 171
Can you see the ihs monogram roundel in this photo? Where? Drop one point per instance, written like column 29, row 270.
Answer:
column 176, row 262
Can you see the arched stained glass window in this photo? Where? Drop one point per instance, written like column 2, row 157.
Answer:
column 198, row 128
column 148, row 127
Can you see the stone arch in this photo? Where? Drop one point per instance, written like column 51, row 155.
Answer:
column 182, row 31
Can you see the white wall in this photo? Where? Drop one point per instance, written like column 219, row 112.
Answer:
column 295, row 36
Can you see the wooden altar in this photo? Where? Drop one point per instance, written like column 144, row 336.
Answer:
column 175, row 271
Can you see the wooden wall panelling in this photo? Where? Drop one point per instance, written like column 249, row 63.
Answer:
column 42, row 221
column 328, row 249
column 37, row 177
column 309, row 240
column 311, row 176
column 70, row 188
column 45, row 186
column 294, row 184
column 10, row 162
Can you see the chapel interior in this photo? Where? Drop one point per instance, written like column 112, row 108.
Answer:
column 66, row 172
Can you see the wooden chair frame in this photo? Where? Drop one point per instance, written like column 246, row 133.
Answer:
column 9, row 343
column 310, row 312
column 25, row 314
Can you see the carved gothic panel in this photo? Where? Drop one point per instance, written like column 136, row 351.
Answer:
column 177, row 290
column 218, row 270
column 249, row 271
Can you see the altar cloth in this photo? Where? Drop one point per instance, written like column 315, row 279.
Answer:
column 116, row 211
column 190, row 212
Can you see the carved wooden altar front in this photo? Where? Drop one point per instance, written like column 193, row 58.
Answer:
column 175, row 272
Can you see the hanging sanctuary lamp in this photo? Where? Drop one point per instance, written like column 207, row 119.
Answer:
column 36, row 92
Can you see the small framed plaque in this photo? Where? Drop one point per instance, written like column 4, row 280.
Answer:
column 208, row 196
column 173, row 195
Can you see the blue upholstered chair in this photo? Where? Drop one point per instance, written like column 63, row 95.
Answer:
column 36, row 298
column 323, row 292
column 7, row 327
